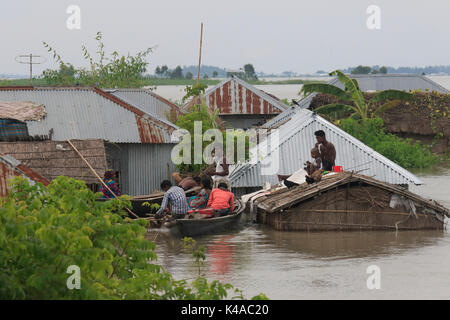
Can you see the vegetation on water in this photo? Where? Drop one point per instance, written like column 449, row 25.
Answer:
column 404, row 152
column 352, row 94
column 47, row 232
column 115, row 71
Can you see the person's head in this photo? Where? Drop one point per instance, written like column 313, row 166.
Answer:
column 197, row 180
column 315, row 153
column 223, row 186
column 166, row 184
column 320, row 136
column 206, row 183
column 108, row 174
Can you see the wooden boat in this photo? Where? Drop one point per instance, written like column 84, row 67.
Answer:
column 198, row 227
column 348, row 201
column 156, row 197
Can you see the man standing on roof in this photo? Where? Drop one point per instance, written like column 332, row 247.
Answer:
column 326, row 149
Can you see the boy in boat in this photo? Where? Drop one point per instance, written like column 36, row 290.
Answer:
column 177, row 199
column 221, row 200
column 326, row 149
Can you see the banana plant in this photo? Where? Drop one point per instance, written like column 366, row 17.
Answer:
column 353, row 98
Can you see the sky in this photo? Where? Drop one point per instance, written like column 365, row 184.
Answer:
column 275, row 36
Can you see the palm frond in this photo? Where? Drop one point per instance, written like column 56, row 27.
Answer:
column 325, row 88
column 385, row 95
column 335, row 110
column 387, row 106
column 353, row 88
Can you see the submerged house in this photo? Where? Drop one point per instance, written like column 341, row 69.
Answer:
column 367, row 83
column 110, row 132
column 241, row 105
column 292, row 149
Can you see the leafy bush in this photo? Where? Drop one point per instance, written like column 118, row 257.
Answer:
column 44, row 230
column 404, row 152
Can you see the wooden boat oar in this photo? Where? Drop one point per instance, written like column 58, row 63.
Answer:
column 99, row 178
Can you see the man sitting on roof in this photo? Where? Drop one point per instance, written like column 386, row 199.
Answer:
column 221, row 200
column 326, row 149
column 177, row 199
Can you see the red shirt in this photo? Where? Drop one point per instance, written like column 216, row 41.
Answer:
column 221, row 199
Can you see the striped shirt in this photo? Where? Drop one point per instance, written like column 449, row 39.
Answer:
column 177, row 198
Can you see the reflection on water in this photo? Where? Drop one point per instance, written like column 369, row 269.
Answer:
column 322, row 265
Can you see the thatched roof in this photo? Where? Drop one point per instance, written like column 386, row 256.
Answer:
column 286, row 198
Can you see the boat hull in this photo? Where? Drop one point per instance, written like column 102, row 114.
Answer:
column 198, row 227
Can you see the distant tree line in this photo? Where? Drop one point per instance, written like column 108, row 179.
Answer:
column 187, row 72
column 408, row 70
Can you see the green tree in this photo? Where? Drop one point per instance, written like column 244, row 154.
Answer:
column 215, row 74
column 383, row 70
column 44, row 230
column 189, row 75
column 250, row 72
column 177, row 73
column 115, row 71
column 158, row 71
column 361, row 70
column 164, row 70
column 352, row 94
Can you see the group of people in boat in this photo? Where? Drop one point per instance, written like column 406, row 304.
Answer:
column 323, row 156
column 214, row 193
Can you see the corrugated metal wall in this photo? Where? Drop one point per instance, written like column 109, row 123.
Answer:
column 143, row 166
column 235, row 96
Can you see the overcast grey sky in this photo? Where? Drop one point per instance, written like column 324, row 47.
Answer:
column 298, row 35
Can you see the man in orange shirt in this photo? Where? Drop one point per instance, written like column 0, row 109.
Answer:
column 221, row 200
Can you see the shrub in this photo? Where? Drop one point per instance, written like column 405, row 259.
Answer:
column 44, row 230
column 404, row 152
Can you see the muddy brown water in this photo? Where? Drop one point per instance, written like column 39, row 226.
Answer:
column 325, row 265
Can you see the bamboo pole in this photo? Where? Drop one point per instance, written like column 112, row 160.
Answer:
column 200, row 54
column 99, row 178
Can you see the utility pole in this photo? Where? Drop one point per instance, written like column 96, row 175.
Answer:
column 200, row 54
column 20, row 59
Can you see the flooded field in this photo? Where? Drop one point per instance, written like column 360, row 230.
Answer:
column 325, row 265
column 282, row 91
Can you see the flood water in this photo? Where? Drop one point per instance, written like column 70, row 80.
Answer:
column 325, row 265
column 282, row 91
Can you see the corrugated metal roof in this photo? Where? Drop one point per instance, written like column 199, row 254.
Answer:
column 147, row 101
column 235, row 96
column 89, row 113
column 368, row 82
column 378, row 82
column 296, row 138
